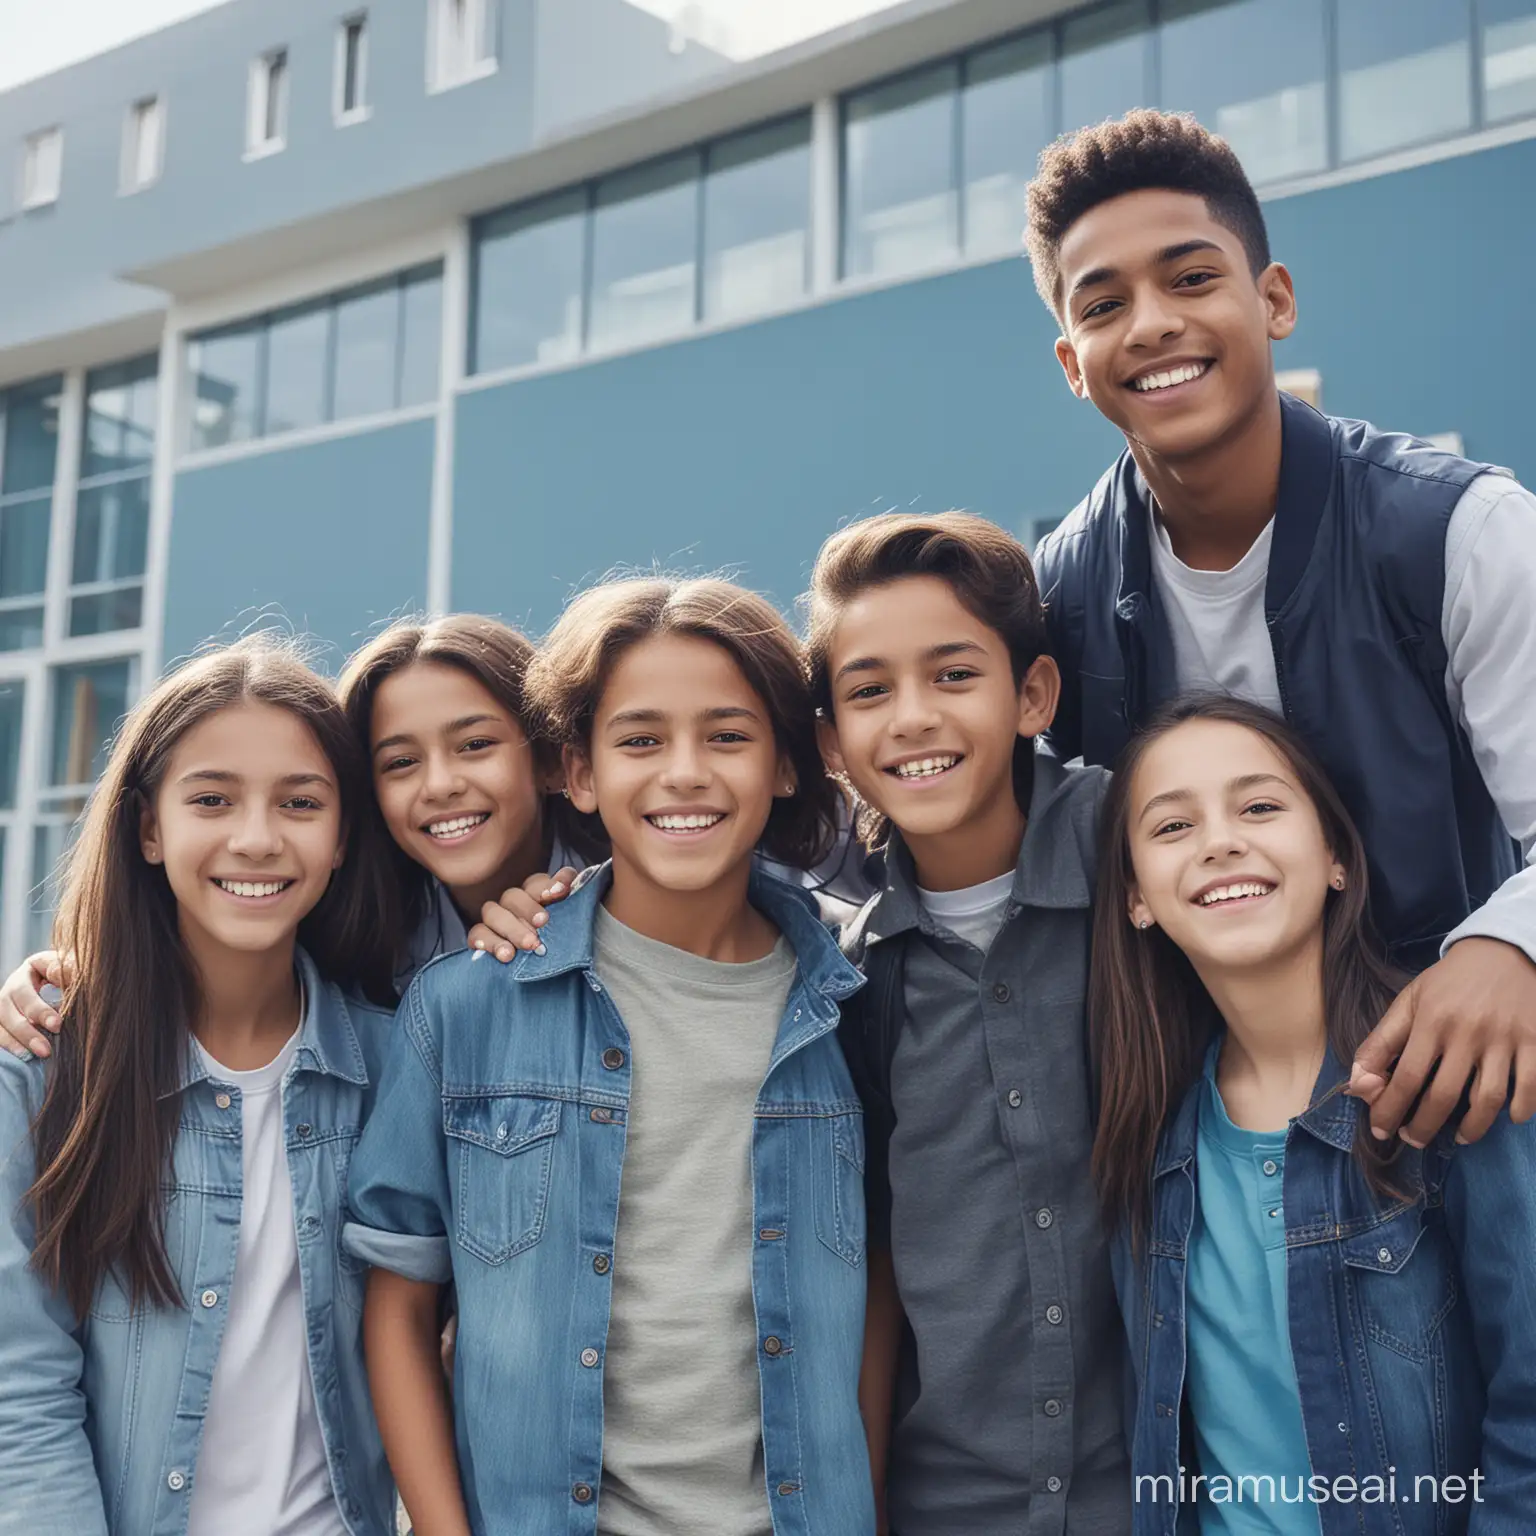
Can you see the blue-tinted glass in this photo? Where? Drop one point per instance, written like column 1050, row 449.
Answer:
column 51, row 840
column 1007, row 118
column 31, row 435
column 529, row 268
column 1106, row 60
column 226, row 366
column 421, row 335
column 367, row 333
column 111, row 531
column 24, row 546
column 13, row 697
column 120, row 407
column 900, row 211
column 757, row 210
column 88, row 702
column 645, row 252
column 1509, row 58
column 1404, row 73
column 297, row 343
column 1252, row 71
column 100, row 613
column 21, row 629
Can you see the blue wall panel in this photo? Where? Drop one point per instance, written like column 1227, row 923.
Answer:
column 746, row 447
column 331, row 537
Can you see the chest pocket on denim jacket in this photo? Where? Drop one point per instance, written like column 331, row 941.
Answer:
column 1401, row 1279
column 504, row 1146
column 837, row 1167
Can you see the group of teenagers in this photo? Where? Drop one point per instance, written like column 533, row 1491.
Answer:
column 1146, row 1150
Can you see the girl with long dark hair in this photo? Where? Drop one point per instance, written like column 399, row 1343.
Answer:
column 1329, row 1333
column 182, row 1347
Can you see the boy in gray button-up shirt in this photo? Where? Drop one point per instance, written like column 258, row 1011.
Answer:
column 994, row 1350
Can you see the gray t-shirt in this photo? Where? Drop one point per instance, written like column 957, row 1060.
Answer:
column 682, row 1418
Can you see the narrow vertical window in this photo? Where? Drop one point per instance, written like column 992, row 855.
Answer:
column 352, row 70
column 143, row 144
column 268, row 105
column 461, row 42
column 42, row 168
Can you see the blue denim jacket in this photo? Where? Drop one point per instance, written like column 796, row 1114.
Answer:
column 494, row 1159
column 1412, row 1325
column 100, row 1420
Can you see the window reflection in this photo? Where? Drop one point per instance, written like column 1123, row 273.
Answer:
column 13, row 696
column 120, row 409
column 31, row 435
column 899, row 205
column 298, row 342
column 1106, row 63
column 421, row 335
column 529, row 275
column 88, row 702
column 1509, row 57
column 1405, row 73
column 367, row 323
column 1006, row 120
column 24, row 546
column 226, row 369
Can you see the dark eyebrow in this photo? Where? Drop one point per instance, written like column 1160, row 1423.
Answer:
column 1180, row 796
column 933, row 653
column 224, row 776
column 656, row 716
column 1169, row 253
column 463, row 723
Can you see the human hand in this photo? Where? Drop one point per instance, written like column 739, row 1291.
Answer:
column 513, row 923
column 24, row 1015
column 1471, row 1016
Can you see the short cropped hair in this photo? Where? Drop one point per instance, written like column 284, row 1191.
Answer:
column 987, row 569
column 566, row 679
column 1142, row 151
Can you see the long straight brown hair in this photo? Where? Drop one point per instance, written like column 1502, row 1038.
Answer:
column 497, row 657
column 1151, row 1017
column 107, row 1127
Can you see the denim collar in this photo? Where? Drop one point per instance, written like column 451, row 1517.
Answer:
column 1049, row 872
column 327, row 1040
column 1332, row 1118
column 567, row 937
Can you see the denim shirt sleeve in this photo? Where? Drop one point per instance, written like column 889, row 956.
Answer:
column 48, row 1483
column 1490, row 1209
column 397, row 1190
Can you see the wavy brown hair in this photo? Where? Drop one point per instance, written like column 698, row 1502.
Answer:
column 105, row 1133
column 497, row 657
column 567, row 678
column 1152, row 1019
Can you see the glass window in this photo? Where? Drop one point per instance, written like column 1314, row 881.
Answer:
column 100, row 613
column 51, row 840
column 227, row 368
column 111, row 531
column 13, row 696
column 21, row 629
column 421, row 335
column 42, row 168
column 143, row 143
column 1405, row 73
column 1269, row 98
column 88, row 701
column 1006, row 119
column 120, row 407
column 1106, row 60
column 354, row 64
column 529, row 276
column 297, row 344
column 757, row 212
column 900, row 211
column 1509, row 58
column 31, row 436
column 367, row 332
column 645, row 227
column 24, row 546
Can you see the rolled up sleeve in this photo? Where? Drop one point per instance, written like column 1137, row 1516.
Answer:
column 397, row 1190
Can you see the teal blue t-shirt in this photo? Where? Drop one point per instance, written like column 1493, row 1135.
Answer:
column 1242, row 1381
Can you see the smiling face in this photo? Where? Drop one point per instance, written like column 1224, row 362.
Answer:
column 456, row 781
column 1164, row 326
column 926, row 715
column 247, row 824
column 1229, row 855
column 682, row 767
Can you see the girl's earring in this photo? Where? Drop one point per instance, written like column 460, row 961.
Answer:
column 1144, row 924
column 564, row 791
column 1338, row 882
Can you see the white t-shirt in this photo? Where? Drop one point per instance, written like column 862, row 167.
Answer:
column 975, row 913
column 261, row 1468
column 1488, row 624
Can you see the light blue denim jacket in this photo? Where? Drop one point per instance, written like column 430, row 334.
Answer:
column 494, row 1159
column 100, row 1420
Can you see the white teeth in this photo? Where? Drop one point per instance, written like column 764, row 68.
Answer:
column 1235, row 892
column 1170, row 377
column 456, row 825
column 253, row 887
column 925, row 768
column 685, row 823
